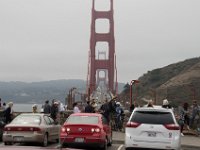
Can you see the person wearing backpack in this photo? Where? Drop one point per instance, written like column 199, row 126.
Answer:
column 119, row 114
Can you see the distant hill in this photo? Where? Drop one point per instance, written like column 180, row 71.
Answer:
column 178, row 82
column 38, row 92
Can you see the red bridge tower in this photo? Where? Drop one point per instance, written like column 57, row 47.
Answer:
column 105, row 66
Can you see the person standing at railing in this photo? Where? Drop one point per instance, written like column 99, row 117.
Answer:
column 119, row 116
column 76, row 108
column 105, row 110
column 186, row 117
column 181, row 119
column 54, row 110
column 166, row 104
column 9, row 112
column 47, row 107
column 34, row 108
column 195, row 113
column 89, row 108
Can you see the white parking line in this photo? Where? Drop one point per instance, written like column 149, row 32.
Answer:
column 120, row 147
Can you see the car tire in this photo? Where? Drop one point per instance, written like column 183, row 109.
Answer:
column 45, row 140
column 105, row 146
column 57, row 140
column 110, row 141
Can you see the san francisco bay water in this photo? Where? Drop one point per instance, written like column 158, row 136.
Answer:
column 25, row 107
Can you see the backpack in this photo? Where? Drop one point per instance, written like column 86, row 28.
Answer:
column 118, row 110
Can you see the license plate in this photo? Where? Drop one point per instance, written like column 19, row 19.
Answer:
column 19, row 139
column 151, row 134
column 79, row 140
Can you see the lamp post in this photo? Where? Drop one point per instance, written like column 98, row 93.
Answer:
column 70, row 97
column 131, row 84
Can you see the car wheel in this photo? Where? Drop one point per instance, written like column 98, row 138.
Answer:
column 110, row 141
column 105, row 147
column 45, row 141
column 57, row 140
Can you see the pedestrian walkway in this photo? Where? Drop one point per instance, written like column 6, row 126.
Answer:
column 186, row 141
column 118, row 137
column 190, row 141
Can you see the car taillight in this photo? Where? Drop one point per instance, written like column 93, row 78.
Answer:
column 63, row 129
column 95, row 130
column 172, row 126
column 133, row 124
column 68, row 129
column 36, row 130
column 22, row 129
column 6, row 129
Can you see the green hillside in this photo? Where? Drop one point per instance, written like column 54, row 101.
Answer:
column 179, row 82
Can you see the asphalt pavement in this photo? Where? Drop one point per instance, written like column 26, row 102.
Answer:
column 188, row 142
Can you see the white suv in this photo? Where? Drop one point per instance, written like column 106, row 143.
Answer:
column 152, row 128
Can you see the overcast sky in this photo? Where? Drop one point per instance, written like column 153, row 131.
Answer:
column 49, row 39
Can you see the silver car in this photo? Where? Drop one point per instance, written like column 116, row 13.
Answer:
column 31, row 127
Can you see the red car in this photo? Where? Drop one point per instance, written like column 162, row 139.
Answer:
column 86, row 129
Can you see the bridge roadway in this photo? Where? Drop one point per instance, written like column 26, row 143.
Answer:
column 188, row 142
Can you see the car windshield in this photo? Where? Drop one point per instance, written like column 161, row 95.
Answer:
column 82, row 120
column 27, row 120
column 152, row 117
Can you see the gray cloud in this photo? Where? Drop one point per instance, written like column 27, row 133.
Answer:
column 48, row 39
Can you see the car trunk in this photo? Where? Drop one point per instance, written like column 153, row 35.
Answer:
column 78, row 129
column 153, row 134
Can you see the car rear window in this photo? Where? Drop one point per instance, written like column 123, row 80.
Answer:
column 152, row 117
column 83, row 120
column 27, row 120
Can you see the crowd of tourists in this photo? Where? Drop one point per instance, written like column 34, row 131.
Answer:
column 111, row 110
column 55, row 109
column 7, row 111
column 189, row 116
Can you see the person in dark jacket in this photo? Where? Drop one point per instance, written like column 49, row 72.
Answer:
column 89, row 108
column 47, row 107
column 9, row 113
column 54, row 110
column 105, row 110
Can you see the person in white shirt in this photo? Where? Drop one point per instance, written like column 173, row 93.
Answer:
column 75, row 108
